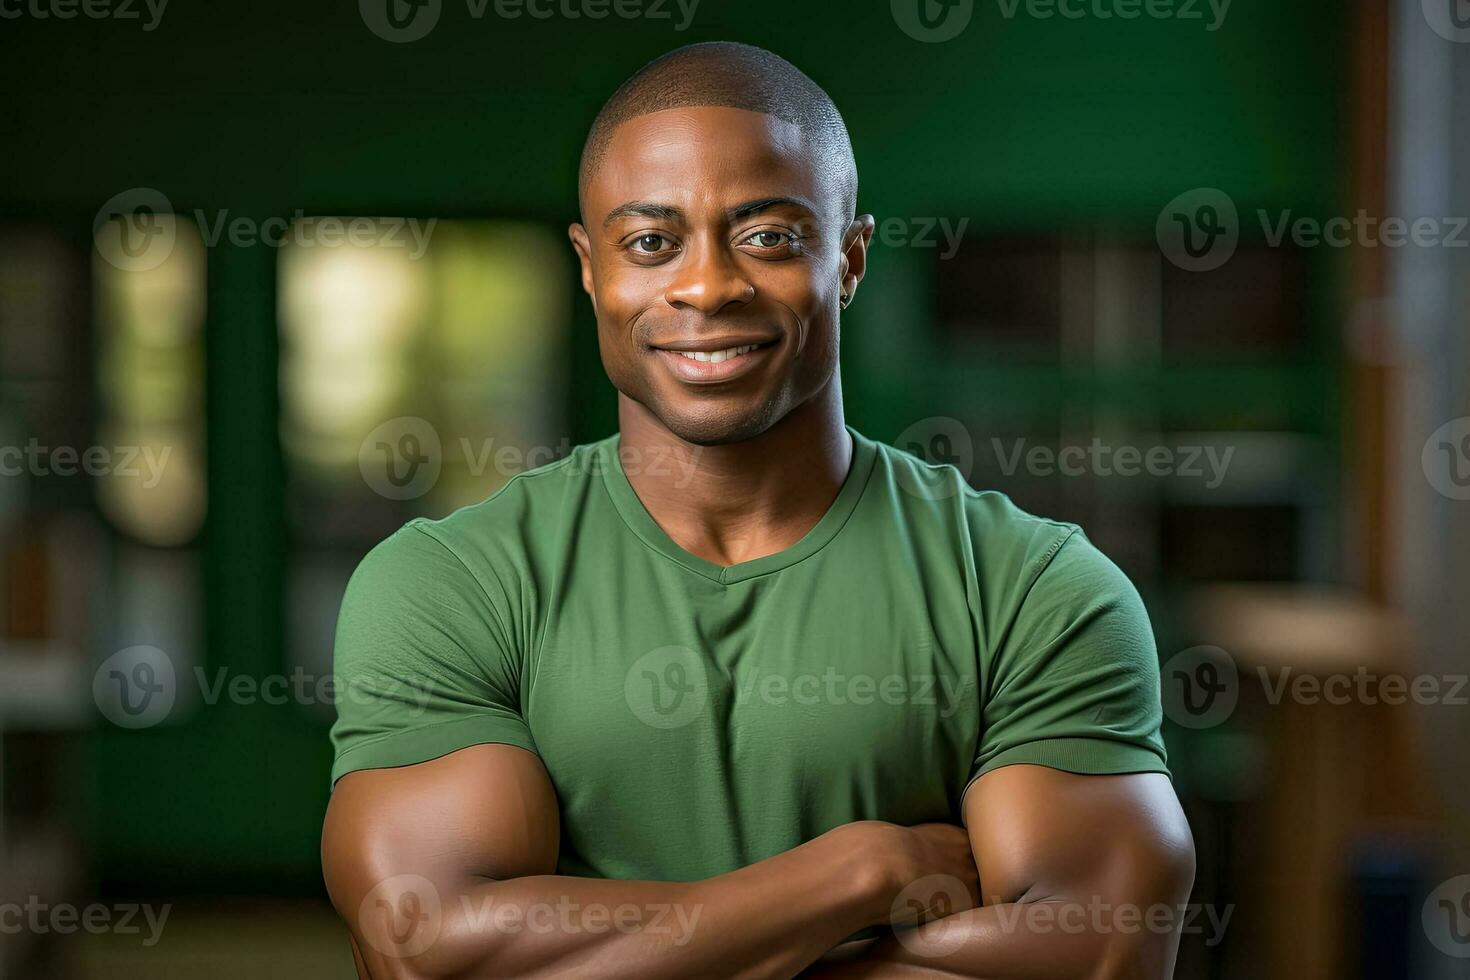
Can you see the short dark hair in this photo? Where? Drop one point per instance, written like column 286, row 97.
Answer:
column 738, row 76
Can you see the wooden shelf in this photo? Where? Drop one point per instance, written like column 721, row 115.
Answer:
column 1308, row 628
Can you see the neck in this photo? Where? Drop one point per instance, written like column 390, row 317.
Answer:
column 734, row 503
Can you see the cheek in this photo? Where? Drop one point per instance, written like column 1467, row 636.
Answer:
column 820, row 349
column 626, row 293
column 799, row 284
column 812, row 299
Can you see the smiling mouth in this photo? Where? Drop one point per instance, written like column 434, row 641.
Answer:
column 714, row 364
column 716, row 356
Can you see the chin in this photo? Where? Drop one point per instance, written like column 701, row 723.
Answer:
column 714, row 425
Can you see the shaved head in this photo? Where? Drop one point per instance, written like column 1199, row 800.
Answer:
column 737, row 76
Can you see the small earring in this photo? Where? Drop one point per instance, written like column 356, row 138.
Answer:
column 845, row 300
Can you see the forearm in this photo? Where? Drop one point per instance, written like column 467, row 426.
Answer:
column 1043, row 940
column 1087, row 878
column 770, row 919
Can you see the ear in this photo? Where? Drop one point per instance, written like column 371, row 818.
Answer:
column 583, row 248
column 855, row 255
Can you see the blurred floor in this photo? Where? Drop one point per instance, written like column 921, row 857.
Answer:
column 227, row 941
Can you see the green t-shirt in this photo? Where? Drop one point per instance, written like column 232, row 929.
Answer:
column 696, row 718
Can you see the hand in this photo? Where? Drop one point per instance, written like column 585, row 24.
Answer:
column 937, row 877
column 927, row 871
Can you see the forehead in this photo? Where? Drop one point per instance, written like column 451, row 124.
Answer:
column 704, row 154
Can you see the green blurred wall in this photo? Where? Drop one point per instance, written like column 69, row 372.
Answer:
column 276, row 106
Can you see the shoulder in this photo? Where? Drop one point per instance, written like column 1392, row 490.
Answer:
column 509, row 522
column 482, row 549
column 998, row 533
column 1018, row 558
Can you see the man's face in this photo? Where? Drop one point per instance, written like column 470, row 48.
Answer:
column 716, row 254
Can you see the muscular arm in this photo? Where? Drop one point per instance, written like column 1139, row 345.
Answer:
column 446, row 869
column 1076, row 872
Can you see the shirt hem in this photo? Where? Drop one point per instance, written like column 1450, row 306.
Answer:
column 1083, row 756
column 417, row 745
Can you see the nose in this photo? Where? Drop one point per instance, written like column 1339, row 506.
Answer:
column 708, row 280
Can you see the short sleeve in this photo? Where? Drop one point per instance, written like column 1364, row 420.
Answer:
column 422, row 663
column 1075, row 682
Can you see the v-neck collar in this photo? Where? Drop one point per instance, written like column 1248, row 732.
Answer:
column 635, row 515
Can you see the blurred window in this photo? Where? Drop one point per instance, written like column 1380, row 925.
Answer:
column 422, row 366
column 150, row 381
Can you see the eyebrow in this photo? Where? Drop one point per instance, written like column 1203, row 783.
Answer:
column 665, row 212
column 749, row 208
column 643, row 209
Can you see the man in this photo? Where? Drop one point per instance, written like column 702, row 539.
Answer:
column 711, row 696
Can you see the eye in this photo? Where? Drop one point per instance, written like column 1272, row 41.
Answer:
column 771, row 239
column 650, row 244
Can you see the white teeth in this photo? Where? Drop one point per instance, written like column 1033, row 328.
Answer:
column 716, row 356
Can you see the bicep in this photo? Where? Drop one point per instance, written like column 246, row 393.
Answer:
column 1068, row 866
column 1040, row 833
column 484, row 812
